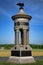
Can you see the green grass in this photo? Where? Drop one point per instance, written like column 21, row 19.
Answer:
column 32, row 50
column 39, row 62
column 38, row 50
column 5, row 50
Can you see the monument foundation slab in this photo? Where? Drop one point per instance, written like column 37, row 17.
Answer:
column 28, row 59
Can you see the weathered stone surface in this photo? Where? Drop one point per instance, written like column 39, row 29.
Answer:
column 21, row 50
column 28, row 59
column 22, row 47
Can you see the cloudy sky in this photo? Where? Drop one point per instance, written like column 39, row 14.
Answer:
column 9, row 8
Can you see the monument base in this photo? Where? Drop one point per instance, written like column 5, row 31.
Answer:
column 28, row 59
column 21, row 54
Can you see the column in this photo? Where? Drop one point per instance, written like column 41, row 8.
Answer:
column 16, row 36
column 24, row 37
column 28, row 34
column 27, row 37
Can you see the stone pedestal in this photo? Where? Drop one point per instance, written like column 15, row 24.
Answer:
column 21, row 54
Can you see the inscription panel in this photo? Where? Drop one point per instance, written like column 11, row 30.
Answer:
column 15, row 53
column 23, row 53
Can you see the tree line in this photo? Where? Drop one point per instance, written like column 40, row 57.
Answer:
column 34, row 46
column 9, row 46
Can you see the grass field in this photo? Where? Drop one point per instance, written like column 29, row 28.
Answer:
column 5, row 53
column 9, row 63
column 35, row 52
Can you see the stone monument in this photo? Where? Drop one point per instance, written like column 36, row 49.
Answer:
column 21, row 53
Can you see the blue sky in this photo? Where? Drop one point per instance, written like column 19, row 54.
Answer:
column 9, row 8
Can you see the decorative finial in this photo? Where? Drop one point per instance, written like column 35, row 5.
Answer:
column 21, row 5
